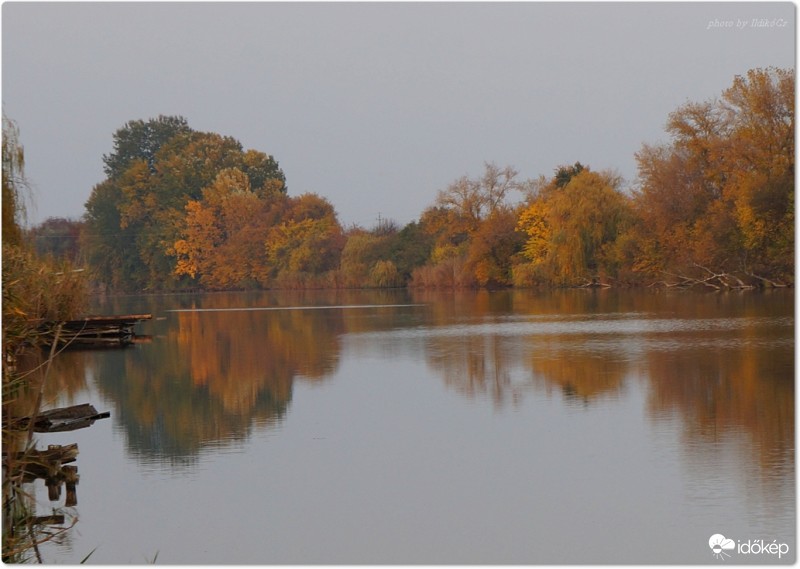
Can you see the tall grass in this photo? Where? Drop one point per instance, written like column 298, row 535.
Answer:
column 38, row 295
column 450, row 273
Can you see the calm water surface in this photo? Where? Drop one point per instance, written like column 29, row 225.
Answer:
column 486, row 427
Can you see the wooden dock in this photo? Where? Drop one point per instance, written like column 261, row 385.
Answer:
column 101, row 331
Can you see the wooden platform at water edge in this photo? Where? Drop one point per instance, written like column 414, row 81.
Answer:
column 102, row 331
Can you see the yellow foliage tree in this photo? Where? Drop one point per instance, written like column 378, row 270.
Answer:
column 572, row 228
column 533, row 221
column 308, row 239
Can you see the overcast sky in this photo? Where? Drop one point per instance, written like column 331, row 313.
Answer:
column 374, row 106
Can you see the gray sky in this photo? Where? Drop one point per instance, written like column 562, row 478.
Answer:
column 374, row 106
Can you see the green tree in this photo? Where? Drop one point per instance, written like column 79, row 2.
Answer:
column 410, row 248
column 141, row 140
column 112, row 242
column 362, row 250
column 565, row 173
column 109, row 248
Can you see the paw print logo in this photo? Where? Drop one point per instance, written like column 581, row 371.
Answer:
column 719, row 544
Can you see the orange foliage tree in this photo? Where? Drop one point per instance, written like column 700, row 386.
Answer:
column 222, row 243
column 473, row 231
column 720, row 196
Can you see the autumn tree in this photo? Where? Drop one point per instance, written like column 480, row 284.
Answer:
column 720, row 196
column 37, row 291
column 474, row 199
column 760, row 108
column 137, row 215
column 468, row 209
column 307, row 241
column 573, row 229
column 493, row 248
column 222, row 242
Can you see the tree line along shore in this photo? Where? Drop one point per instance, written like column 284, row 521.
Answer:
column 712, row 208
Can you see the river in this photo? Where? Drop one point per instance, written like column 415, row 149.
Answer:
column 398, row 427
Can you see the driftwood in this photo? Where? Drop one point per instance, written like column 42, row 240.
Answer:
column 711, row 279
column 59, row 420
column 594, row 282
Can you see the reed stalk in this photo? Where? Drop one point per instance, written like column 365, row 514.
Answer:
column 38, row 296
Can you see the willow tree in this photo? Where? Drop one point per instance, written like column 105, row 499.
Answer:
column 573, row 228
column 14, row 183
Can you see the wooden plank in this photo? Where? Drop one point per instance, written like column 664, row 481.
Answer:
column 75, row 424
column 71, row 412
column 59, row 420
column 55, row 519
column 62, row 453
column 113, row 319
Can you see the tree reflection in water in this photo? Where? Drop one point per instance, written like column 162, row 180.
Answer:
column 723, row 363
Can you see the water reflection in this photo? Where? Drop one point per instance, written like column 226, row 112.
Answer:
column 451, row 400
column 720, row 362
column 723, row 362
